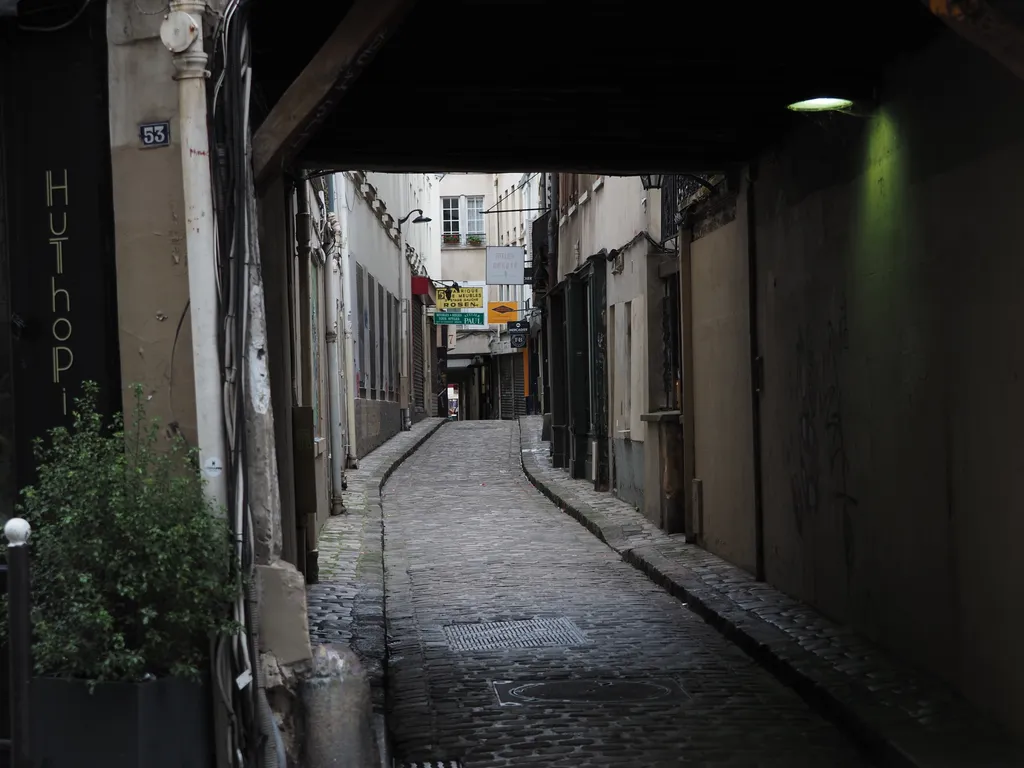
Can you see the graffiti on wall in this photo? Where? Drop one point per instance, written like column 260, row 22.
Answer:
column 837, row 342
column 820, row 457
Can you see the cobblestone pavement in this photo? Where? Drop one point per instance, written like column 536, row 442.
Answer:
column 901, row 715
column 347, row 606
column 467, row 540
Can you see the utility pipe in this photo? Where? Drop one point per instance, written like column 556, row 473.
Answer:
column 333, row 365
column 347, row 310
column 182, row 33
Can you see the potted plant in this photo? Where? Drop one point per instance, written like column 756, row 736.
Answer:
column 476, row 240
column 450, row 239
column 133, row 575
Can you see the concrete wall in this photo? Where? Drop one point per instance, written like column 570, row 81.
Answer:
column 464, row 265
column 893, row 423
column 377, row 421
column 722, row 410
column 149, row 217
column 608, row 215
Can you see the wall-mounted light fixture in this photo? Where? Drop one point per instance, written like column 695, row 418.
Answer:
column 652, row 180
column 821, row 104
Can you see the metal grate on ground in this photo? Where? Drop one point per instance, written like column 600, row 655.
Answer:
column 530, row 633
column 432, row 764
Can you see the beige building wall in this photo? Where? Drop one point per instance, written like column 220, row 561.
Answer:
column 892, row 426
column 149, row 218
column 722, row 409
column 616, row 213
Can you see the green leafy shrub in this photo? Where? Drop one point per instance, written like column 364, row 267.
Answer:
column 132, row 568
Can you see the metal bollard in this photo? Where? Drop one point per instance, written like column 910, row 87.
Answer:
column 17, row 532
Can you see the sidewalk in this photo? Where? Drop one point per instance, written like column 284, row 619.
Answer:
column 347, row 606
column 903, row 716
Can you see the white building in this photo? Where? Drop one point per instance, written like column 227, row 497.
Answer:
column 370, row 208
column 480, row 210
column 608, row 255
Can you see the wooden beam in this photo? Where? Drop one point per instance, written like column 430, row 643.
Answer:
column 984, row 25
column 316, row 91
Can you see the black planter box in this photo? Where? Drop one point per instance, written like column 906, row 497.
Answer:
column 159, row 724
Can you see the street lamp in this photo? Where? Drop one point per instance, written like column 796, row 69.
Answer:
column 406, row 289
column 652, row 180
column 421, row 219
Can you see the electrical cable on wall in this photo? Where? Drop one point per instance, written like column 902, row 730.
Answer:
column 236, row 659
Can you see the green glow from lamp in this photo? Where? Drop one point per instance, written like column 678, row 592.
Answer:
column 821, row 104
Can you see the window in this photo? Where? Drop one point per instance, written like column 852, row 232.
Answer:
column 371, row 321
column 359, row 337
column 671, row 348
column 395, row 362
column 570, row 187
column 627, row 383
column 475, row 215
column 450, row 215
column 382, row 334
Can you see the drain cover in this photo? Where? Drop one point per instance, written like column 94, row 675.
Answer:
column 532, row 633
column 432, row 764
column 656, row 691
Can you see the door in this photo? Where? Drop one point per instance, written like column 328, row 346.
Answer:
column 723, row 413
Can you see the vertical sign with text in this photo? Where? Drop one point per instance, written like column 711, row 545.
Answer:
column 61, row 245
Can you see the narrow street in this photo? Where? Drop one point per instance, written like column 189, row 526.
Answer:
column 469, row 541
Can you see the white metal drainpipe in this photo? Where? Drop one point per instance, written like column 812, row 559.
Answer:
column 349, row 312
column 334, row 364
column 182, row 34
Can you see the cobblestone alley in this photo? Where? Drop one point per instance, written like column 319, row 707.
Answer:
column 470, row 542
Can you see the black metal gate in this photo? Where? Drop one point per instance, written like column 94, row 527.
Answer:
column 508, row 395
column 518, row 391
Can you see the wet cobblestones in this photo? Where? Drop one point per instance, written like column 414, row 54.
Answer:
column 903, row 716
column 469, row 539
column 347, row 606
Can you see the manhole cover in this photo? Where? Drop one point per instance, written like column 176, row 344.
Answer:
column 657, row 691
column 531, row 633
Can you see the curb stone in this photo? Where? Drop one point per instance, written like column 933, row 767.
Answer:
column 946, row 732
column 347, row 606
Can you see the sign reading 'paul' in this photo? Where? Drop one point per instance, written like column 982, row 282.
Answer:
column 61, row 248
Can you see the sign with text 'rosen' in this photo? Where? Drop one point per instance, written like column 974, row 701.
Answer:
column 466, row 297
column 505, row 264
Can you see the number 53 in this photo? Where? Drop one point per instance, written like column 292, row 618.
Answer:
column 154, row 134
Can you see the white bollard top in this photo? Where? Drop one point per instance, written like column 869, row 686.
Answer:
column 17, row 531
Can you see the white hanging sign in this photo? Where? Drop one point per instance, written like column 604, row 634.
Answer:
column 505, row 264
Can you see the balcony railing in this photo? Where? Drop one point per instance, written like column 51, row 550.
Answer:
column 463, row 241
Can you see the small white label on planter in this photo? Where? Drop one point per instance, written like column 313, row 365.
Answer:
column 243, row 679
column 212, row 467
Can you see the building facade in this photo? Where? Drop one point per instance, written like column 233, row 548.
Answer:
column 369, row 208
column 477, row 211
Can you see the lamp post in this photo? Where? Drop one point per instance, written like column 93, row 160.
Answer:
column 405, row 289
